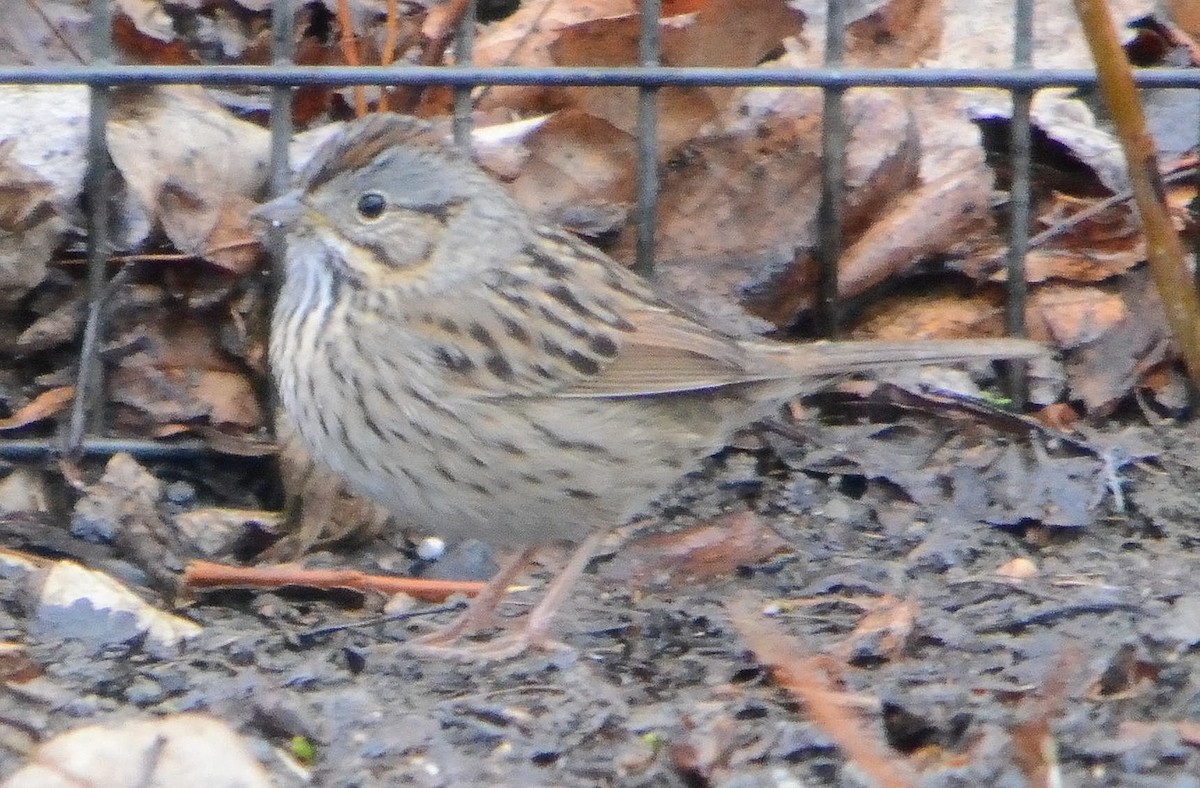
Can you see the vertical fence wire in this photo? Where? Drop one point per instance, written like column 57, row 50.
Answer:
column 1020, row 186
column 649, row 54
column 283, row 21
column 833, row 178
column 87, row 408
column 283, row 24
column 464, row 44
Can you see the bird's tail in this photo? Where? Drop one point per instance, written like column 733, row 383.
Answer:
column 839, row 358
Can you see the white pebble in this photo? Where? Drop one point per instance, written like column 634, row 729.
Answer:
column 431, row 548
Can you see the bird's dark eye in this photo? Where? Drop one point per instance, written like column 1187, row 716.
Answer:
column 371, row 205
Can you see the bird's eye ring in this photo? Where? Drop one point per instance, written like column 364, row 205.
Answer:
column 371, row 205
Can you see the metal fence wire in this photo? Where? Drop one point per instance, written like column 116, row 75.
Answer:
column 86, row 431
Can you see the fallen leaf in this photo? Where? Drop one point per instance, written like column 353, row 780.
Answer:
column 699, row 553
column 738, row 203
column 897, row 33
column 31, row 225
column 1018, row 569
column 577, row 166
column 189, row 162
column 183, row 750
column 45, row 405
column 883, row 631
column 928, row 220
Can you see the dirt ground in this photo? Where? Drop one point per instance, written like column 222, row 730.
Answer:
column 896, row 526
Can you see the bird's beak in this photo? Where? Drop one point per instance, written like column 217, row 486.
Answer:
column 280, row 213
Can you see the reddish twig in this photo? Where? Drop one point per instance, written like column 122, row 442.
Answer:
column 437, row 31
column 350, row 52
column 211, row 576
column 806, row 677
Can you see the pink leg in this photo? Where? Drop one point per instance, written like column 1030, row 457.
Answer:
column 537, row 623
column 534, row 633
column 481, row 611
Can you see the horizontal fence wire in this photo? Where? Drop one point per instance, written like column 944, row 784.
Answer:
column 564, row 76
column 281, row 76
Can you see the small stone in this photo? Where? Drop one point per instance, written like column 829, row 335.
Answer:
column 181, row 493
column 431, row 548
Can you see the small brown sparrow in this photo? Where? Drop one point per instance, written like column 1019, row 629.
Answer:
column 482, row 375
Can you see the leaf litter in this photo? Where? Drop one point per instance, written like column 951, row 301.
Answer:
column 894, row 523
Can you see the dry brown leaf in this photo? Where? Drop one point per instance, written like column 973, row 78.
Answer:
column 524, row 38
column 1085, row 249
column 170, row 430
column 935, row 313
column 709, row 33
column 898, row 33
column 577, row 166
column 189, row 162
column 170, row 369
column 53, row 329
column 45, row 405
column 888, row 622
column 232, row 244
column 16, row 666
column 1113, row 336
column 159, row 47
column 31, row 225
column 1058, row 416
column 230, row 396
column 699, row 553
column 177, row 342
column 177, row 395
column 931, row 219
column 1078, row 265
column 737, row 33
column 159, row 396
column 1071, row 316
column 737, row 204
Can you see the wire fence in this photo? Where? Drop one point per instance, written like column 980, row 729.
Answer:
column 86, row 432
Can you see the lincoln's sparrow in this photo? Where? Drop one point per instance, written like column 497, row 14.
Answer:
column 482, row 375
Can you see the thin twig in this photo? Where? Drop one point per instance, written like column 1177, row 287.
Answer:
column 392, row 40
column 57, row 33
column 1092, row 211
column 350, row 52
column 406, row 97
column 207, row 575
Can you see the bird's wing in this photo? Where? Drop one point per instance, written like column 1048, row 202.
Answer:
column 567, row 321
column 669, row 352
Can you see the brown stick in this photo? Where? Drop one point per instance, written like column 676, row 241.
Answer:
column 350, row 52
column 208, row 575
column 1163, row 248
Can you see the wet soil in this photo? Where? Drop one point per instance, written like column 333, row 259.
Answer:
column 659, row 687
